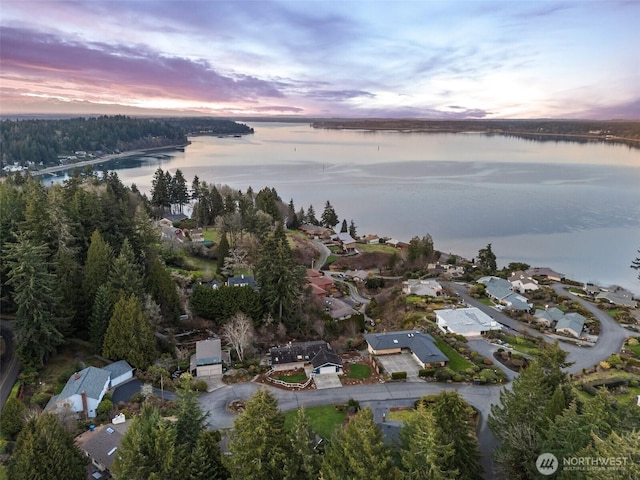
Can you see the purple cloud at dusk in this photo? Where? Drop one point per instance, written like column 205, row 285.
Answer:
column 432, row 59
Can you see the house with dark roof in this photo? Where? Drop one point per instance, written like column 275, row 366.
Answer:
column 318, row 354
column 101, row 445
column 422, row 288
column 82, row 393
column 617, row 296
column 242, row 281
column 521, row 282
column 346, row 241
column 545, row 272
column 315, row 230
column 207, row 360
column 421, row 345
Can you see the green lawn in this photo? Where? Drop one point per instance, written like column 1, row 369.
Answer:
column 401, row 415
column 210, row 234
column 486, row 301
column 457, row 362
column 521, row 345
column 294, row 378
column 635, row 349
column 323, row 420
column 359, row 371
column 377, row 247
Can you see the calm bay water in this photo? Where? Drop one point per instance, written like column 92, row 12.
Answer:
column 572, row 207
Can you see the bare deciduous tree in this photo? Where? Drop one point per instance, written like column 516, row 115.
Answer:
column 239, row 333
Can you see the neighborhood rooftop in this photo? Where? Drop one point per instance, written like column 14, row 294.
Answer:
column 422, row 345
column 91, row 380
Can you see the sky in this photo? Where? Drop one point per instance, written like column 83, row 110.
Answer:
column 350, row 58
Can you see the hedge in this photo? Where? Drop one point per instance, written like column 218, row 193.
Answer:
column 399, row 375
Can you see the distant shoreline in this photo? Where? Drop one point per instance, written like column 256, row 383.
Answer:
column 105, row 158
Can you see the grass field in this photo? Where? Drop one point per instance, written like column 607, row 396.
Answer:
column 377, row 247
column 457, row 362
column 401, row 415
column 635, row 349
column 521, row 345
column 359, row 371
column 323, row 420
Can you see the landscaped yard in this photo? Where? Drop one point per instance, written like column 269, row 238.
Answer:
column 323, row 420
column 635, row 349
column 359, row 371
column 457, row 362
column 520, row 344
column 377, row 247
column 298, row 377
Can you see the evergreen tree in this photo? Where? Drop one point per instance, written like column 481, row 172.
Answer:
column 293, row 222
column 12, row 417
column 281, row 280
column 258, row 440
column 43, row 450
column 352, row 230
column 357, row 451
column 163, row 289
column 195, row 188
column 344, row 228
column 37, row 330
column 423, row 453
column 147, row 450
column 179, row 191
column 487, row 259
column 635, row 264
column 329, row 217
column 624, row 446
column 267, row 200
column 130, row 336
column 452, row 415
column 100, row 316
column 160, row 191
column 311, row 216
column 125, row 276
column 206, row 460
column 96, row 268
column 190, row 421
column 223, row 251
column 303, row 461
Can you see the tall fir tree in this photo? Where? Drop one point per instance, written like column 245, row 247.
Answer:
column 205, row 462
column 357, row 451
column 100, row 316
column 148, row 448
column 311, row 216
column 44, row 449
column 423, row 453
column 179, row 192
column 329, row 217
column 125, row 275
column 303, row 461
column 37, row 329
column 96, row 268
column 344, row 228
column 130, row 336
column 258, row 440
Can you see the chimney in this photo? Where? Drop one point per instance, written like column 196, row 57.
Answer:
column 85, row 408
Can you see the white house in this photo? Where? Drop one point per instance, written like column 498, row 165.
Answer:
column 470, row 322
column 521, row 282
column 82, row 393
column 422, row 288
column 119, row 372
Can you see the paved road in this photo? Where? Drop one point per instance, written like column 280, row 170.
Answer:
column 9, row 366
column 324, row 254
column 380, row 397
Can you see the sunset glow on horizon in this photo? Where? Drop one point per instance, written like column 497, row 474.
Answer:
column 430, row 59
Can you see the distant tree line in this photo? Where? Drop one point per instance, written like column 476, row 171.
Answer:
column 23, row 141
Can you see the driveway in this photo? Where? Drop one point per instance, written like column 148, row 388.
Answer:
column 400, row 362
column 327, row 380
column 124, row 392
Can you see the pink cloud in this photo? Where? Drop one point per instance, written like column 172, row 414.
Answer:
column 115, row 71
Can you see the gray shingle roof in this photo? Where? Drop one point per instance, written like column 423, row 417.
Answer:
column 421, row 344
column 209, row 352
column 91, row 380
column 573, row 321
column 118, row 368
column 303, row 352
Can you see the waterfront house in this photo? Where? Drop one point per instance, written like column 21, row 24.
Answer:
column 422, row 346
column 469, row 322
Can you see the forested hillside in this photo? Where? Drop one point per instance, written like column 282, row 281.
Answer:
column 44, row 141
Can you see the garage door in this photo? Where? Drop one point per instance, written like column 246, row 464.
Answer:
column 209, row 370
column 329, row 369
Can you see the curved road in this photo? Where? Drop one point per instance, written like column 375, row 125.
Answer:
column 381, row 397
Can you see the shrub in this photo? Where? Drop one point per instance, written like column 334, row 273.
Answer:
column 40, row 399
column 106, row 405
column 457, row 377
column 399, row 375
column 633, row 383
column 632, row 342
column 137, row 397
column 426, row 372
column 200, row 386
column 443, row 374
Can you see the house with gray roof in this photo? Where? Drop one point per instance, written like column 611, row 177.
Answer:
column 346, row 241
column 545, row 272
column 521, row 282
column 500, row 290
column 207, row 360
column 470, row 322
column 618, row 296
column 82, row 393
column 100, row 445
column 421, row 345
column 422, row 288
column 119, row 372
column 548, row 316
column 242, row 281
column 571, row 324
